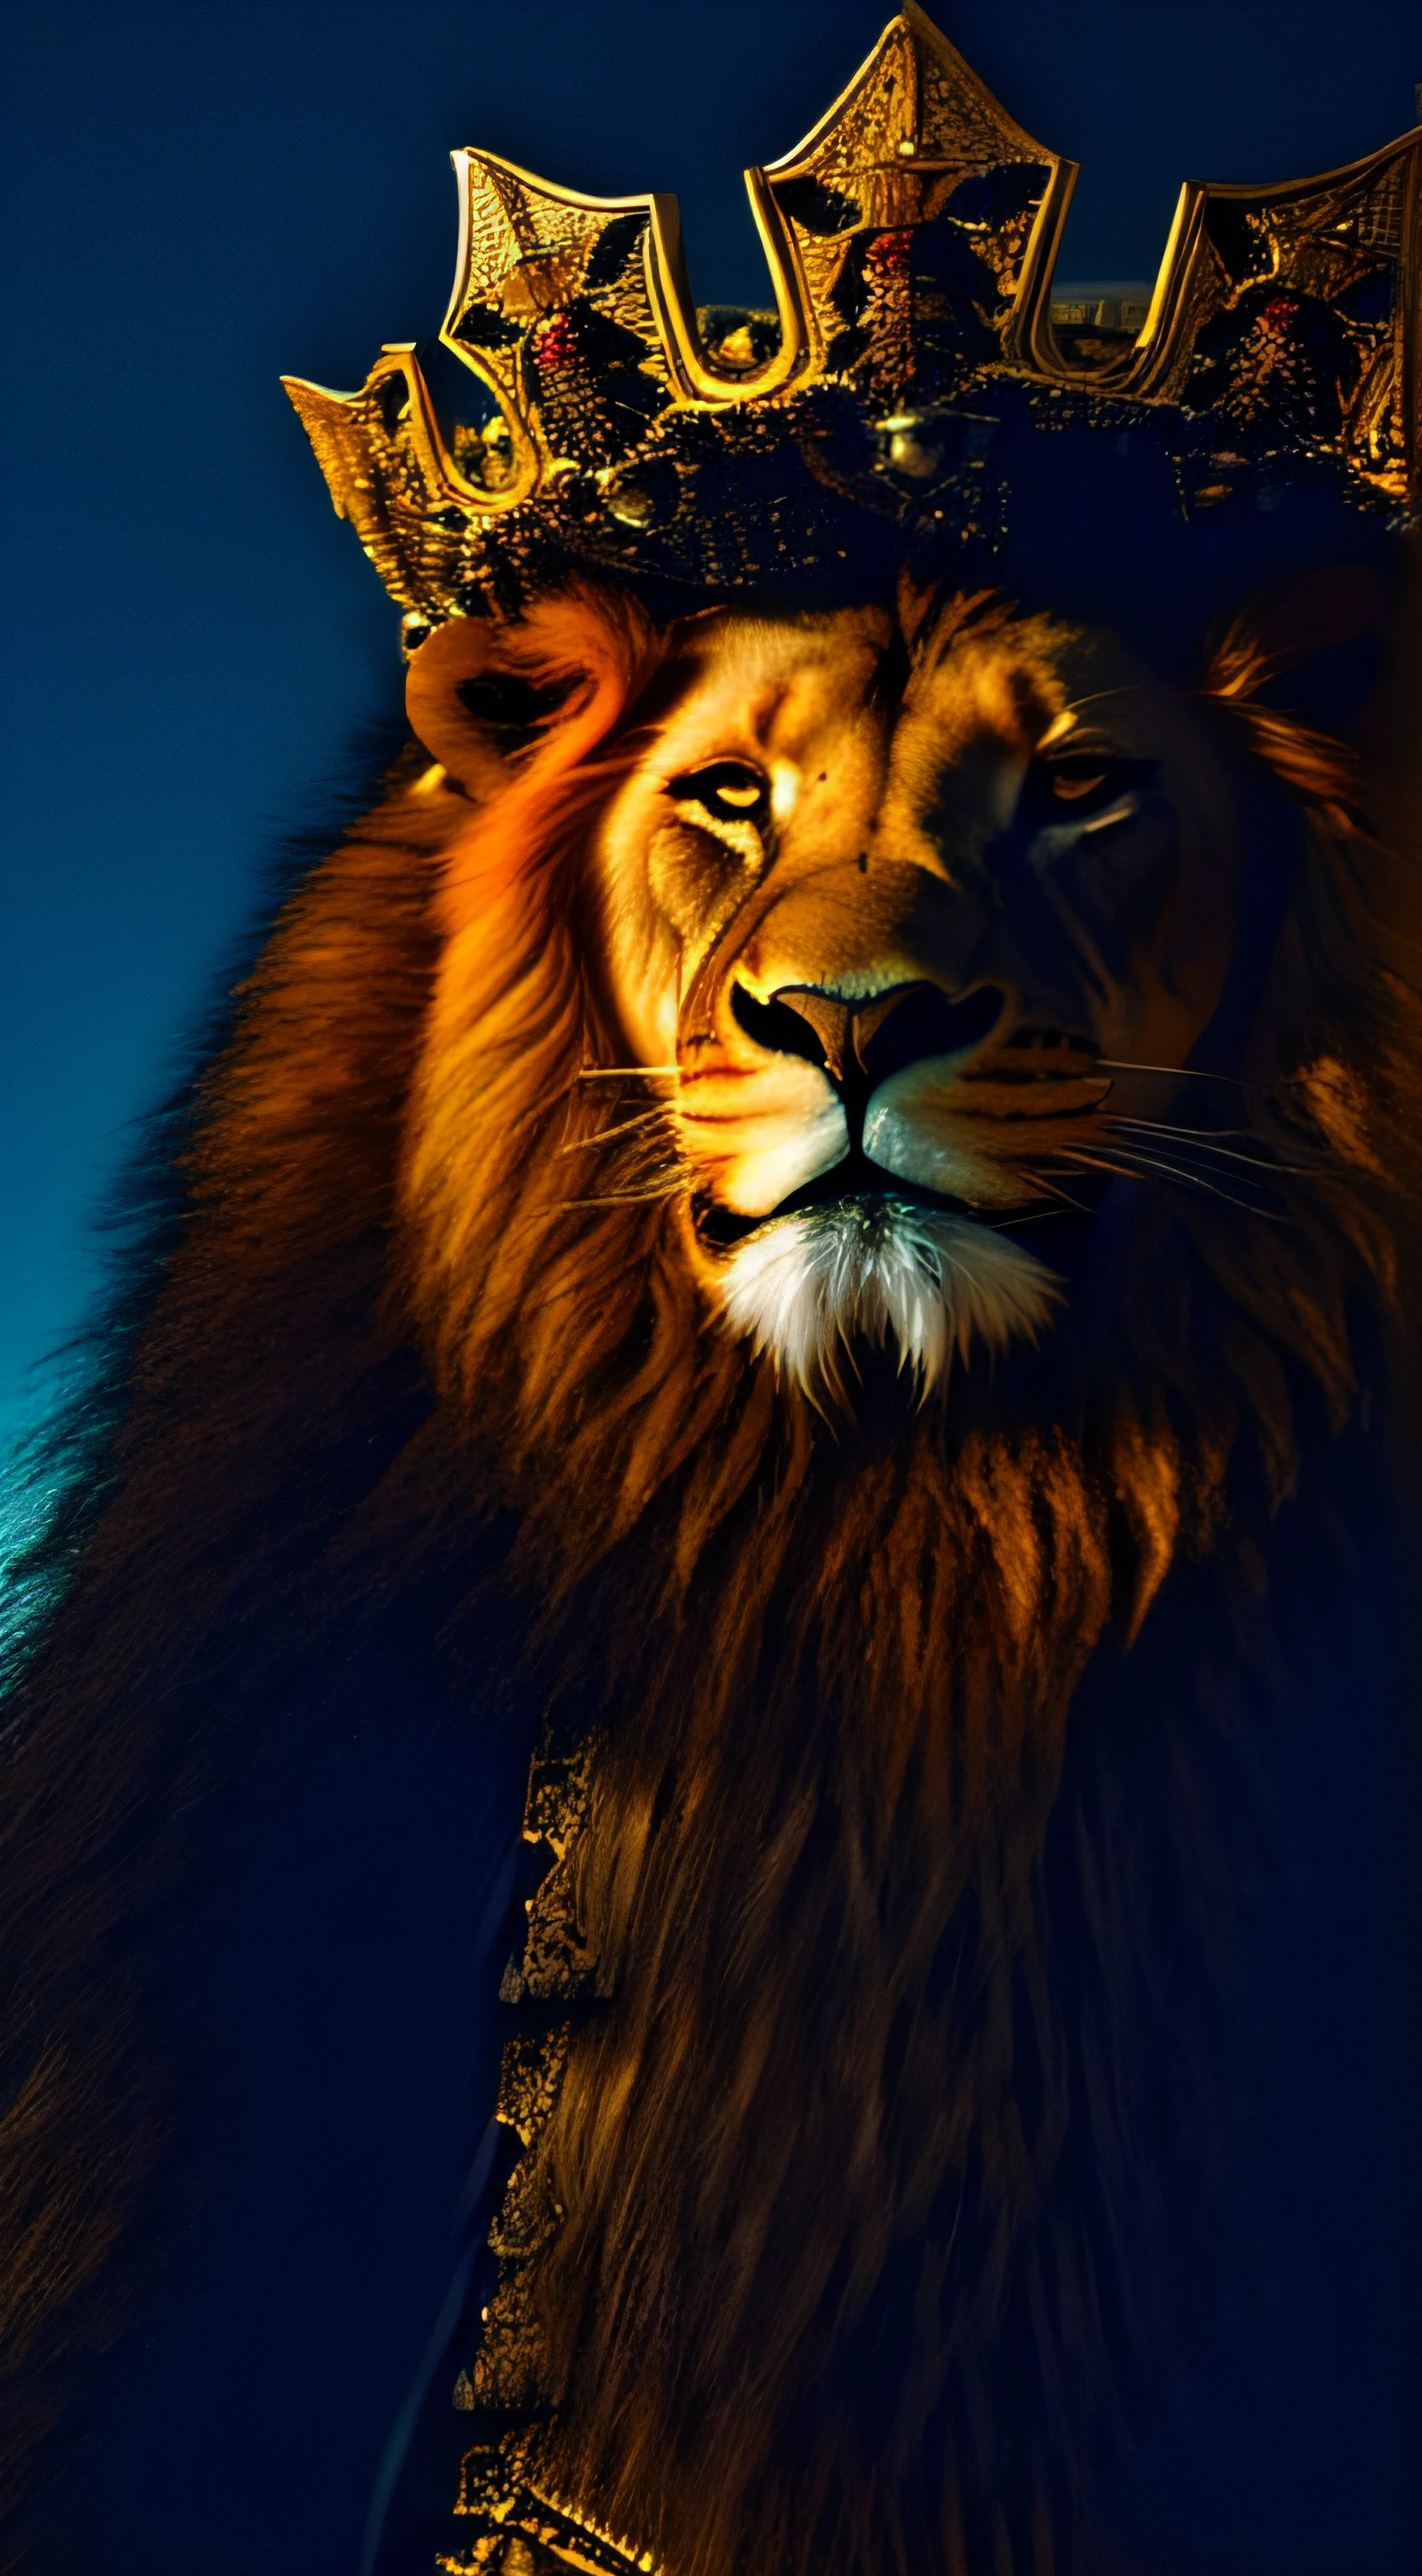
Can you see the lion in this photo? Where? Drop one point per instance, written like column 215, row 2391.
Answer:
column 859, row 1168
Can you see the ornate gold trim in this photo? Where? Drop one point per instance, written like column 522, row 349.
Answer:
column 575, row 314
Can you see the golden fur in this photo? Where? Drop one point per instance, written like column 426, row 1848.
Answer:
column 816, row 2145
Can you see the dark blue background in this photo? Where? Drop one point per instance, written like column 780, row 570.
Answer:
column 197, row 197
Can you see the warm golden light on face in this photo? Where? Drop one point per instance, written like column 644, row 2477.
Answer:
column 806, row 821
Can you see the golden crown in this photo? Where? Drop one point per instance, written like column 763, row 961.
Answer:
column 911, row 240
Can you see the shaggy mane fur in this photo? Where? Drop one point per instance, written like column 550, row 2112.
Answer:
column 846, row 2128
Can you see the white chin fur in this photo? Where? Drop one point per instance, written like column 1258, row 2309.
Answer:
column 804, row 1285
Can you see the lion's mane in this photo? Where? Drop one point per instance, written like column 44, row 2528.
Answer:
column 867, row 2118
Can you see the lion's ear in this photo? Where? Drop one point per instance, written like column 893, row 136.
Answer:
column 489, row 698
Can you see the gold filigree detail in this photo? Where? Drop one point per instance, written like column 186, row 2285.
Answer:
column 506, row 2488
column 509, row 2372
column 529, row 2078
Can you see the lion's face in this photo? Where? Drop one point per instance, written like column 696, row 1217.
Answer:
column 892, row 928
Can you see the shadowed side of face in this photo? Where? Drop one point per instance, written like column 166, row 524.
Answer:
column 896, row 918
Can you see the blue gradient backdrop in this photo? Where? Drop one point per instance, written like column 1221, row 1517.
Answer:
column 196, row 197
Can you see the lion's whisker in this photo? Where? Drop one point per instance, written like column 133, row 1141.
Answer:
column 622, row 1072
column 1033, row 1216
column 1198, row 1140
column 1134, row 1158
column 1055, row 1190
column 1134, row 1163
column 1203, row 1160
column 624, row 1127
column 1181, row 1072
column 626, row 1198
column 1169, row 1126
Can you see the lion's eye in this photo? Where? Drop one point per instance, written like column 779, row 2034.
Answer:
column 730, row 789
column 1083, row 784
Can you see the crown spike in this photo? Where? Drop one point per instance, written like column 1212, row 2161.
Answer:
column 916, row 140
column 388, row 471
column 551, row 311
column 912, row 99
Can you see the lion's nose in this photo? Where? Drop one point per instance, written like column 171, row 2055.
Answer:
column 869, row 1038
